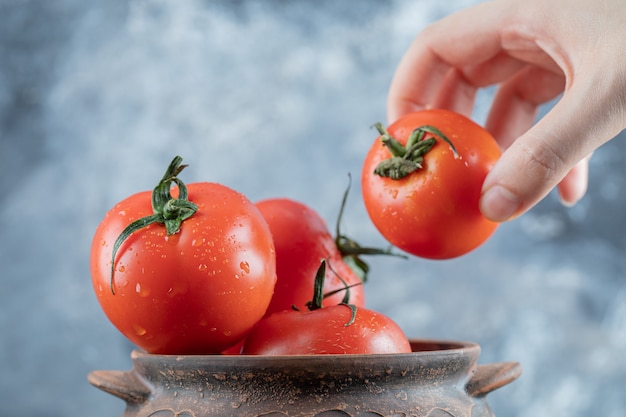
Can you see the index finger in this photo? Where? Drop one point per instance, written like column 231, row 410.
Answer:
column 447, row 62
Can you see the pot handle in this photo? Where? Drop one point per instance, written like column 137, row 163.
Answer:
column 490, row 377
column 125, row 385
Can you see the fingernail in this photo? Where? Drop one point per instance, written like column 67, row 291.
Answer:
column 499, row 204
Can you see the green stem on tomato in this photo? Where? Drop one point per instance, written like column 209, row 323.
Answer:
column 350, row 250
column 318, row 293
column 168, row 211
column 394, row 146
column 318, row 288
column 408, row 158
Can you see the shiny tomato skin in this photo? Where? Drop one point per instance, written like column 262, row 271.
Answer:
column 198, row 291
column 302, row 240
column 324, row 331
column 433, row 212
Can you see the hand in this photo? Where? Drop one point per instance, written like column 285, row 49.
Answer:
column 534, row 50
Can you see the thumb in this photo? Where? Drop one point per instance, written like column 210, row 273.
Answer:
column 540, row 159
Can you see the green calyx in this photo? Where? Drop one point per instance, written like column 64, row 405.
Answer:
column 408, row 158
column 168, row 211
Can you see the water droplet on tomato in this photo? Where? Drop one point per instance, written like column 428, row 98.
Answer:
column 143, row 291
column 121, row 268
column 104, row 243
column 202, row 267
column 139, row 330
column 245, row 267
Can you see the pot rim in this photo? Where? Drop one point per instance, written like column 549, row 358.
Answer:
column 420, row 347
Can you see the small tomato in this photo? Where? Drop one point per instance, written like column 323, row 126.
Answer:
column 421, row 183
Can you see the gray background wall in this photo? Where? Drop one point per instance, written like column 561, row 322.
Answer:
column 273, row 98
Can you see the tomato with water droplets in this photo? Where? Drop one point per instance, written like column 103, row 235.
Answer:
column 330, row 330
column 422, row 179
column 342, row 328
column 302, row 239
column 195, row 286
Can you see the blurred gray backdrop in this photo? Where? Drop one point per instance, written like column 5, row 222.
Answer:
column 273, row 98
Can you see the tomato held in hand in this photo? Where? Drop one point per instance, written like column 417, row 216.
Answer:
column 421, row 183
column 192, row 276
column 338, row 329
column 302, row 240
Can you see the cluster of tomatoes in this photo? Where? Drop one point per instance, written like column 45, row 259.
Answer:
column 200, row 269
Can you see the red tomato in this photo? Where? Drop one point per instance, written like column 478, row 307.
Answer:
column 198, row 290
column 325, row 331
column 302, row 240
column 433, row 211
column 338, row 329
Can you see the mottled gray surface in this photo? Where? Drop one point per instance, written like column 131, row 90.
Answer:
column 272, row 98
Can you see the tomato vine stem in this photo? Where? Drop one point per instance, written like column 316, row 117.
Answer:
column 408, row 158
column 318, row 293
column 350, row 250
column 168, row 211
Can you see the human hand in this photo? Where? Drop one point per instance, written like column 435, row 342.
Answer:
column 535, row 50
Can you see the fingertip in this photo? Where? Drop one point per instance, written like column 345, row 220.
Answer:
column 569, row 197
column 573, row 186
column 499, row 204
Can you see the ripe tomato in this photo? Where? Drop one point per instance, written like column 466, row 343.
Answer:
column 302, row 240
column 198, row 289
column 325, row 331
column 337, row 329
column 432, row 211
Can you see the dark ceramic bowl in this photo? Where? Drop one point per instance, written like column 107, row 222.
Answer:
column 439, row 379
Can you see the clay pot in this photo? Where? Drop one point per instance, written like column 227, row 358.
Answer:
column 439, row 379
